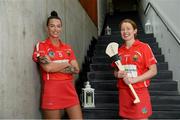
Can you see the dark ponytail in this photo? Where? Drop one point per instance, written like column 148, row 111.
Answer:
column 54, row 15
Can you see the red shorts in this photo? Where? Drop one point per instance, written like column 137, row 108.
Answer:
column 58, row 94
column 127, row 109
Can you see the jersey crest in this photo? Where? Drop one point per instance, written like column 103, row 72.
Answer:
column 144, row 110
column 135, row 58
column 51, row 54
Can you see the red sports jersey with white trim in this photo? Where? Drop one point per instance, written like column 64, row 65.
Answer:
column 63, row 53
column 136, row 59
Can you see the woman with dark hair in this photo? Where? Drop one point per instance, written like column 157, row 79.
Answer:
column 140, row 66
column 57, row 65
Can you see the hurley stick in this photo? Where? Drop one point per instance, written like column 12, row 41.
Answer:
column 112, row 52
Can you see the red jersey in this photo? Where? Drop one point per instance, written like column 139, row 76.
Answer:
column 136, row 60
column 60, row 54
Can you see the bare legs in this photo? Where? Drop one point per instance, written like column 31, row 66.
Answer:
column 51, row 114
column 73, row 112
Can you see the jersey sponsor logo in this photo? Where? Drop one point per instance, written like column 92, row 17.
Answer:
column 131, row 70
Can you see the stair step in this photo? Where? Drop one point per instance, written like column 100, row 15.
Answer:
column 109, row 76
column 161, row 86
column 100, row 50
column 114, row 106
column 99, row 81
column 165, row 115
column 113, row 114
column 100, row 114
column 148, row 40
column 156, row 100
column 103, row 46
column 107, row 67
column 106, row 59
column 152, row 93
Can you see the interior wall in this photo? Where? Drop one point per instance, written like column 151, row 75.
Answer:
column 102, row 11
column 167, row 42
column 22, row 24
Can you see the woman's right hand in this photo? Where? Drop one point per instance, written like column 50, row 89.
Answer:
column 120, row 74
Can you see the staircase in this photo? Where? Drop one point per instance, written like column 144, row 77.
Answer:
column 163, row 90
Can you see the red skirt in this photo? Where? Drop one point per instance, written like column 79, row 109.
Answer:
column 127, row 109
column 58, row 94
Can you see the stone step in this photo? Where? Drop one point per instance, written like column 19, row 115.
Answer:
column 99, row 81
column 100, row 50
column 159, row 86
column 109, row 75
column 113, row 114
column 106, row 59
column 103, row 44
column 156, row 100
column 114, row 106
column 152, row 93
column 107, row 67
column 150, row 41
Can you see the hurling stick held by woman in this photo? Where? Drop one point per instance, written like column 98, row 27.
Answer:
column 112, row 52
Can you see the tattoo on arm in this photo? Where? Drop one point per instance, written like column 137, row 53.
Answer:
column 43, row 60
column 69, row 69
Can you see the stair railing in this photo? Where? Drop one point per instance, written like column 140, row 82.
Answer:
column 163, row 21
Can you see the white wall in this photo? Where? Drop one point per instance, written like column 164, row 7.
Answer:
column 22, row 23
column 168, row 10
column 102, row 9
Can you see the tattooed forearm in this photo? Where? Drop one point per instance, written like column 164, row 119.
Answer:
column 43, row 60
column 69, row 69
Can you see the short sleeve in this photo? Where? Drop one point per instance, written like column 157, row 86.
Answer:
column 38, row 50
column 72, row 55
column 149, row 56
column 35, row 53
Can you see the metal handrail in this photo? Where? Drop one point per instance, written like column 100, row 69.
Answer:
column 163, row 21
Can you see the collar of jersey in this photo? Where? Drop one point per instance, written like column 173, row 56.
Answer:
column 133, row 45
column 49, row 43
